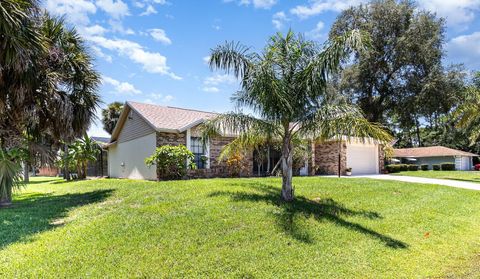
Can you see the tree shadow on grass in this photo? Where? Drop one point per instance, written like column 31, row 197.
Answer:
column 319, row 209
column 37, row 212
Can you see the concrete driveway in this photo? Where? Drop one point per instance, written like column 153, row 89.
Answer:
column 446, row 182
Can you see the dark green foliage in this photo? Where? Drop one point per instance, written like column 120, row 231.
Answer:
column 402, row 82
column 110, row 116
column 397, row 168
column 171, row 161
column 424, row 167
column 436, row 167
column 447, row 166
column 413, row 167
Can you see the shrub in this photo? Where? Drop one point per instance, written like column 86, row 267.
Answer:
column 424, row 167
column 436, row 167
column 447, row 166
column 413, row 167
column 477, row 167
column 397, row 168
column 236, row 164
column 171, row 161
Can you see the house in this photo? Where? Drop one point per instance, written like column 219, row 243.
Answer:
column 143, row 127
column 435, row 155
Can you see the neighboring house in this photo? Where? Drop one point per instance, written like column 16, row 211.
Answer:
column 143, row 127
column 99, row 167
column 435, row 155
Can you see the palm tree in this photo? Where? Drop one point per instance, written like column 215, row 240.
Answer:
column 469, row 111
column 110, row 116
column 82, row 151
column 48, row 85
column 285, row 87
column 9, row 176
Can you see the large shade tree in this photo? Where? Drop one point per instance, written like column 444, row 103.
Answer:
column 48, row 84
column 285, row 87
column 402, row 81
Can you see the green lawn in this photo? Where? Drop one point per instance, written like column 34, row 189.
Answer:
column 471, row 176
column 336, row 228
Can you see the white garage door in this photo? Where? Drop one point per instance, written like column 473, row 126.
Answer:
column 362, row 158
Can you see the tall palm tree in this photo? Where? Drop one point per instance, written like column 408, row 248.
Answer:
column 110, row 116
column 48, row 84
column 285, row 87
column 469, row 111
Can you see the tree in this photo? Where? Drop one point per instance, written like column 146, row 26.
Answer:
column 468, row 112
column 9, row 175
column 110, row 116
column 82, row 151
column 401, row 81
column 48, row 84
column 285, row 86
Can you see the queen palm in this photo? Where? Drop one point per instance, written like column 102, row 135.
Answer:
column 285, row 87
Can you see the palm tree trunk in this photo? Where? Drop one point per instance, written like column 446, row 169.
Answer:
column 287, row 172
column 268, row 159
column 5, row 197
column 66, row 170
column 26, row 176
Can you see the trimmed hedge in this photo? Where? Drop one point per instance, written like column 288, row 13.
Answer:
column 413, row 167
column 436, row 167
column 397, row 168
column 448, row 166
column 424, row 167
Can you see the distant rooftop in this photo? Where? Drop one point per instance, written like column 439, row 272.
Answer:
column 432, row 151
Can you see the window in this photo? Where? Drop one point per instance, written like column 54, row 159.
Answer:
column 198, row 150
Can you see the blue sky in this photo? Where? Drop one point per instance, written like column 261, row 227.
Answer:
column 154, row 51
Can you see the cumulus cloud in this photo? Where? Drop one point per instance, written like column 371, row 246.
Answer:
column 212, row 83
column 465, row 49
column 456, row 12
column 160, row 36
column 76, row 12
column 279, row 19
column 258, row 4
column 317, row 7
column 150, row 10
column 121, row 87
column 317, row 32
column 116, row 9
column 211, row 89
column 152, row 62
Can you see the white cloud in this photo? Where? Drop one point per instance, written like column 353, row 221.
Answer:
column 211, row 89
column 317, row 7
column 152, row 62
column 279, row 19
column 150, row 10
column 160, row 36
column 121, row 87
column 93, row 30
column 161, row 98
column 117, row 26
column 316, row 33
column 220, row 79
column 99, row 53
column 76, row 11
column 456, row 12
column 206, row 59
column 116, row 9
column 258, row 4
column 465, row 49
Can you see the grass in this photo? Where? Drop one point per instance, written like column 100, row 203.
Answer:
column 336, row 228
column 470, row 176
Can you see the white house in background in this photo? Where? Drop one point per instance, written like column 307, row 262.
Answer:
column 435, row 155
column 144, row 127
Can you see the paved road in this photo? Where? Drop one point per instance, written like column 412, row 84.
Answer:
column 446, row 182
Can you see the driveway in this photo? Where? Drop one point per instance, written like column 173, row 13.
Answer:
column 446, row 182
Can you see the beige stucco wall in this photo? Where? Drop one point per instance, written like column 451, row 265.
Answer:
column 127, row 159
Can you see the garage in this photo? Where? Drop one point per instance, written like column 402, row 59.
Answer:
column 362, row 158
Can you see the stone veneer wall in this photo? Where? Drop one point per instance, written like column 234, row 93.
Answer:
column 217, row 169
column 326, row 158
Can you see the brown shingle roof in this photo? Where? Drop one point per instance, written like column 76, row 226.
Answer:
column 170, row 118
column 432, row 151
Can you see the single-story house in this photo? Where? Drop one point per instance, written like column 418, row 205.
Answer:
column 435, row 155
column 144, row 127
